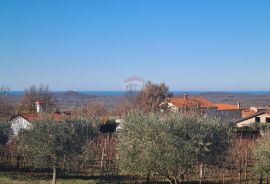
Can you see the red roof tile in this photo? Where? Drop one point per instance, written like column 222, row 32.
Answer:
column 247, row 112
column 190, row 102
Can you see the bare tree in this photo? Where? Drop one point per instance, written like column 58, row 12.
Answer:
column 123, row 107
column 6, row 108
column 93, row 109
column 151, row 96
column 37, row 93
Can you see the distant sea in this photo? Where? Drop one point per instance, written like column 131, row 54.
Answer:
column 121, row 93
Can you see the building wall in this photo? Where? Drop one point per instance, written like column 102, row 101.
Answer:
column 229, row 114
column 252, row 120
column 18, row 124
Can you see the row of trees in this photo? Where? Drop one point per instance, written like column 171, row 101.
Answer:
column 169, row 145
column 148, row 99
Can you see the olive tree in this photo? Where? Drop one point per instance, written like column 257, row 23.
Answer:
column 169, row 144
column 50, row 144
column 261, row 152
column 5, row 132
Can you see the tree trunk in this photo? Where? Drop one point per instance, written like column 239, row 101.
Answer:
column 18, row 159
column 148, row 177
column 204, row 171
column 175, row 180
column 201, row 172
column 54, row 175
column 170, row 180
column 246, row 163
column 240, row 171
column 261, row 180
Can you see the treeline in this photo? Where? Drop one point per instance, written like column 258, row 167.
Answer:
column 152, row 146
column 147, row 100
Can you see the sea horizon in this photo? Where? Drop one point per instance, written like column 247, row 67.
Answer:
column 122, row 92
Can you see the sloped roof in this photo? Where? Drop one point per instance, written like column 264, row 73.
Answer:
column 267, row 111
column 28, row 117
column 247, row 112
column 190, row 102
column 35, row 116
column 225, row 106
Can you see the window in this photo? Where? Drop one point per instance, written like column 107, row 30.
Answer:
column 257, row 119
column 267, row 120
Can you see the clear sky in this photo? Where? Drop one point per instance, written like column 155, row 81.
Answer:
column 96, row 45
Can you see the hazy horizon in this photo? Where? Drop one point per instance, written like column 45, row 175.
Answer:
column 95, row 45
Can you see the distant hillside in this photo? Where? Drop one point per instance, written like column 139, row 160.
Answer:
column 246, row 100
column 74, row 99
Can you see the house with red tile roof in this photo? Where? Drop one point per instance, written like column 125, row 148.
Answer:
column 200, row 105
column 23, row 121
column 261, row 116
column 248, row 112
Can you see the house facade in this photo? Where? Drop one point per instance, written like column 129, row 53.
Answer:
column 262, row 116
column 18, row 123
column 190, row 104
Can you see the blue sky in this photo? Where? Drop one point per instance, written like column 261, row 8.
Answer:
column 96, row 45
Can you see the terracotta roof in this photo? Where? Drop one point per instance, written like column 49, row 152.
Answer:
column 194, row 102
column 39, row 102
column 31, row 117
column 225, row 106
column 247, row 112
column 251, row 116
column 190, row 102
column 35, row 116
column 267, row 111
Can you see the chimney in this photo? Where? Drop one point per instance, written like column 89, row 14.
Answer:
column 185, row 96
column 39, row 106
column 238, row 105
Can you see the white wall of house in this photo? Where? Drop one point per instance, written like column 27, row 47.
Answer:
column 173, row 107
column 252, row 120
column 120, row 123
column 18, row 124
